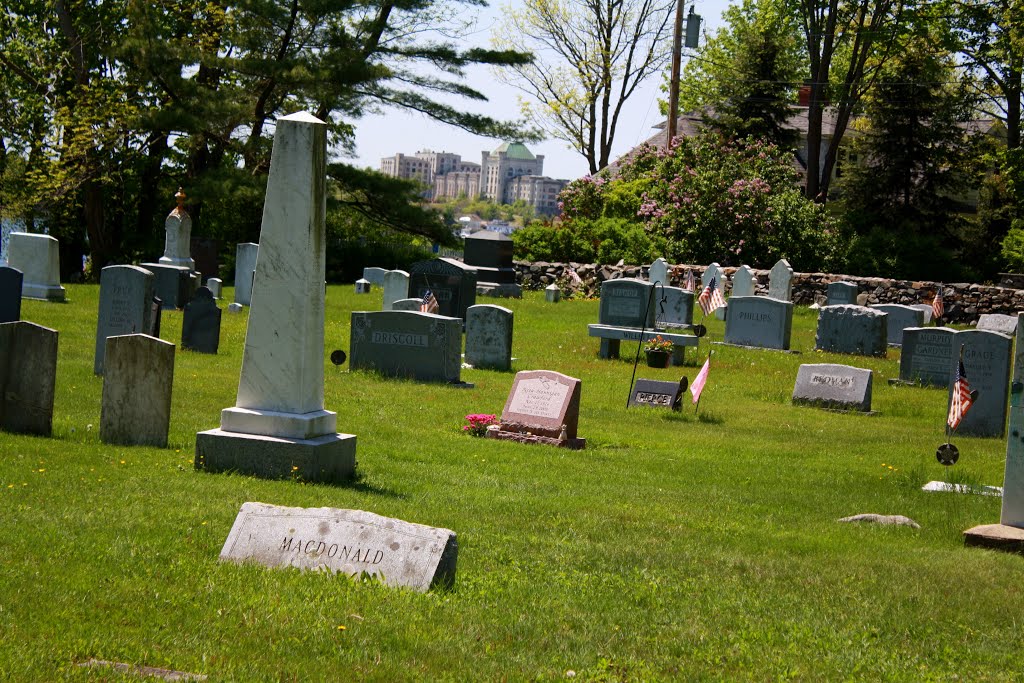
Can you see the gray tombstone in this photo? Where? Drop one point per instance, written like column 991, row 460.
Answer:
column 713, row 271
column 838, row 387
column 407, row 305
column 780, row 281
column 421, row 346
column 235, row 307
column 137, row 380
column 363, row 286
column 10, row 294
column 173, row 284
column 200, row 327
column 744, row 282
column 927, row 310
column 396, row 287
column 658, row 272
column 677, row 308
column 452, row 282
column 852, row 329
column 246, row 254
column 759, row 321
column 28, row 373
column 126, row 297
column 552, row 294
column 926, row 354
column 1012, row 513
column 178, row 236
column 216, row 287
column 997, row 322
column 626, row 303
column 987, row 359
column 900, row 318
column 842, row 293
column 657, row 394
column 375, row 276
column 489, row 337
column 38, row 259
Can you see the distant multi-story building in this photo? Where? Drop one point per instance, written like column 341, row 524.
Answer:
column 509, row 173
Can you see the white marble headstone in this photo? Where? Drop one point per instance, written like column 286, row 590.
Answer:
column 780, row 281
column 38, row 259
column 658, row 272
column 396, row 286
column 178, row 236
column 744, row 282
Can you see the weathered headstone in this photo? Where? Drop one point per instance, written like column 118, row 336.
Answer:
column 987, row 359
column 927, row 310
column 235, row 307
column 246, row 256
column 10, row 294
column 178, row 236
column 626, row 303
column 926, row 354
column 677, row 308
column 759, row 321
column 453, row 284
column 489, row 253
column 396, row 287
column 138, row 375
column 744, row 282
column 552, row 294
column 1013, row 480
column 278, row 427
column 713, row 271
column 997, row 322
column 216, row 287
column 400, row 553
column 38, row 259
column 375, row 275
column 658, row 394
column 363, row 286
column 839, row 387
column 841, row 293
column 407, row 305
column 420, row 346
column 845, row 328
column 780, row 281
column 899, row 318
column 200, row 326
column 173, row 284
column 542, row 407
column 28, row 373
column 126, row 298
column 489, row 337
column 658, row 272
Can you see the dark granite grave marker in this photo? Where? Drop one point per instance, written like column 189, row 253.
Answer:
column 926, row 355
column 453, row 285
column 200, row 327
column 840, row 293
column 900, row 318
column 421, row 346
column 845, row 328
column 10, row 294
column 652, row 392
column 626, row 303
column 28, row 372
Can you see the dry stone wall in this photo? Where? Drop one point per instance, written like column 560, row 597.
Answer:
column 965, row 301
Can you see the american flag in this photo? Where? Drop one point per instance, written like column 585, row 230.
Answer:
column 962, row 398
column 689, row 280
column 938, row 306
column 710, row 299
column 700, row 380
column 429, row 303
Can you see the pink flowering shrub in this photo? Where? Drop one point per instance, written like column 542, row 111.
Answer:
column 478, row 424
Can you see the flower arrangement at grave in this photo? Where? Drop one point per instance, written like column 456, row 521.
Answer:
column 478, row 424
column 658, row 344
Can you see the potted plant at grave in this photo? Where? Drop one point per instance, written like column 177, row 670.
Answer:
column 658, row 351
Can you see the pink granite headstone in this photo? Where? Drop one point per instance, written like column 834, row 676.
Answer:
column 543, row 404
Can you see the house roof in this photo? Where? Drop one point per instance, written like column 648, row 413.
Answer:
column 515, row 150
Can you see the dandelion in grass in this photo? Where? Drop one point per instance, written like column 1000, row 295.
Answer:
column 342, row 628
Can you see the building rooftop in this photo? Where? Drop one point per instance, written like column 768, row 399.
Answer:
column 515, row 150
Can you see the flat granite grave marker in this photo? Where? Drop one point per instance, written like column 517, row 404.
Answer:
column 453, row 285
column 542, row 407
column 759, row 321
column 900, row 318
column 137, row 379
column 780, row 281
column 10, row 294
column 677, row 308
column 28, row 374
column 744, row 282
column 246, row 255
column 126, row 300
column 421, row 346
column 489, row 337
column 658, row 272
column 399, row 553
column 624, row 303
column 858, row 330
column 200, row 327
column 997, row 322
column 838, row 387
column 987, row 362
column 278, row 427
column 925, row 357
column 38, row 259
column 658, row 394
column 396, row 288
column 840, row 293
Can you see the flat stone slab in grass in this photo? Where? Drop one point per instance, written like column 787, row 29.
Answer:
column 996, row 537
column 759, row 321
column 827, row 385
column 851, row 329
column 900, row 318
column 652, row 392
column 997, row 322
column 925, row 357
column 946, row 487
column 890, row 520
column 401, row 554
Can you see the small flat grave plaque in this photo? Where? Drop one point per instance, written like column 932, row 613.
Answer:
column 839, row 387
column 652, row 392
column 399, row 553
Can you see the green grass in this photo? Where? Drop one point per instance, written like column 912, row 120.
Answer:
column 671, row 548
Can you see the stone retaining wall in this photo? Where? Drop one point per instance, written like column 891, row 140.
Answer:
column 964, row 301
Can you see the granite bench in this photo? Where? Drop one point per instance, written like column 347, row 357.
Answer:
column 611, row 336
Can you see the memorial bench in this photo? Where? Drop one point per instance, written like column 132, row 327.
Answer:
column 612, row 335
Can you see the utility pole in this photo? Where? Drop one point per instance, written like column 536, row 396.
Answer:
column 693, row 21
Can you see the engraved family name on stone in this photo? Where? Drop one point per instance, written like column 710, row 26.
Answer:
column 347, row 541
column 925, row 355
column 654, row 399
column 832, row 381
column 400, row 338
column 540, row 397
column 830, row 385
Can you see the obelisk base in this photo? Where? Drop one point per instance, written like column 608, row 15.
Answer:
column 997, row 537
column 330, row 458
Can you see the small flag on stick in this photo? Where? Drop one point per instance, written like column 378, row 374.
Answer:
column 963, row 398
column 697, row 386
column 938, row 305
column 710, row 299
column 429, row 303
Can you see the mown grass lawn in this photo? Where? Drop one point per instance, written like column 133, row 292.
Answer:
column 672, row 548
